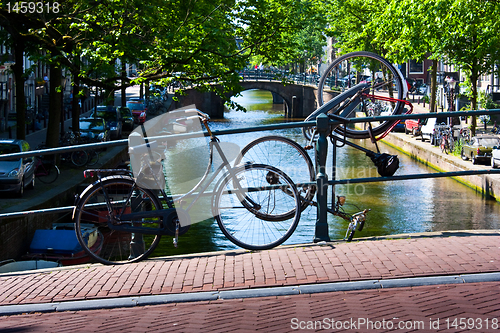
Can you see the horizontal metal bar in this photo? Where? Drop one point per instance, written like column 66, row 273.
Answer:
column 66, row 149
column 414, row 176
column 37, row 211
column 417, row 116
column 404, row 177
column 124, row 142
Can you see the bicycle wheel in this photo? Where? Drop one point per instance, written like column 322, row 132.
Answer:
column 285, row 155
column 254, row 215
column 93, row 157
column 79, row 158
column 93, row 221
column 47, row 173
column 451, row 143
column 382, row 87
column 444, row 145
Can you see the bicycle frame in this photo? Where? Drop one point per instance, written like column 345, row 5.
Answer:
column 40, row 169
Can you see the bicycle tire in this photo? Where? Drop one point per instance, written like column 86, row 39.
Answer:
column 111, row 247
column 79, row 158
column 451, row 143
column 443, row 145
column 93, row 157
column 49, row 174
column 285, row 155
column 251, row 227
column 382, row 76
column 351, row 234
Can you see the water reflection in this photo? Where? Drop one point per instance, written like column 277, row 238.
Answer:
column 408, row 206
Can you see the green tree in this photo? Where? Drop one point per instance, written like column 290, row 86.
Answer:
column 188, row 41
column 470, row 39
column 353, row 24
column 410, row 30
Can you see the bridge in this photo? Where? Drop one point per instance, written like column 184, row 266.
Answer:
column 298, row 98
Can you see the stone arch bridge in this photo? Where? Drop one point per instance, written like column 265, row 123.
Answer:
column 298, row 100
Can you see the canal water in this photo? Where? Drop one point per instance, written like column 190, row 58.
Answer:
column 409, row 206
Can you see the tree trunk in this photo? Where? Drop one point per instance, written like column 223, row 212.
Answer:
column 146, row 90
column 55, row 106
column 473, row 79
column 109, row 93
column 75, row 122
column 432, row 102
column 18, row 69
column 124, row 92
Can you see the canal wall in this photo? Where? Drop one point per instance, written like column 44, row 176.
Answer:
column 16, row 233
column 424, row 152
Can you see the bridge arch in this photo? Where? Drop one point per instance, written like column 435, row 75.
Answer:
column 277, row 94
column 299, row 100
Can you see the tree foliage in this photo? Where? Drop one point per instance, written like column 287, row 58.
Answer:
column 460, row 32
column 353, row 24
column 192, row 41
column 170, row 39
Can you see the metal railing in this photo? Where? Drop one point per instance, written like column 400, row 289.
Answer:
column 322, row 182
column 302, row 78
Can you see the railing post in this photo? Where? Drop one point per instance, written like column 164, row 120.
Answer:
column 321, row 230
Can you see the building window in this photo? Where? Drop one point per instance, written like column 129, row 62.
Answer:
column 416, row 67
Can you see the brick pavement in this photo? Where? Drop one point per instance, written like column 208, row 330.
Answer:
column 436, row 254
column 285, row 266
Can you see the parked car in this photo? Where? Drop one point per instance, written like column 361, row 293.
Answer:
column 138, row 109
column 94, row 129
column 17, row 173
column 495, row 157
column 127, row 118
column 430, row 128
column 479, row 148
column 400, row 126
column 413, row 126
column 112, row 117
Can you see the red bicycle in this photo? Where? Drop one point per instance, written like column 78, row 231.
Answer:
column 46, row 172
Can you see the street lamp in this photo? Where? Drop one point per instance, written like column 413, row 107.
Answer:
column 450, row 92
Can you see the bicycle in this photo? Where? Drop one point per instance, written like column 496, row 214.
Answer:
column 370, row 86
column 46, row 172
column 78, row 158
column 255, row 205
column 446, row 142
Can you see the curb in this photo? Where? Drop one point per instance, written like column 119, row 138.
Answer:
column 122, row 302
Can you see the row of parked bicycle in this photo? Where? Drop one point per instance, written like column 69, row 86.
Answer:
column 480, row 148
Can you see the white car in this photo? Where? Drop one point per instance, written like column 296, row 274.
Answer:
column 429, row 127
column 495, row 157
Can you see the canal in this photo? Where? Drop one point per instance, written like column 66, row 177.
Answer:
column 409, row 206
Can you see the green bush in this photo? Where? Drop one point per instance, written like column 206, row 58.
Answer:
column 457, row 148
column 486, row 101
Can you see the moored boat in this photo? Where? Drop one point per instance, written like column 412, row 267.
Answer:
column 60, row 244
